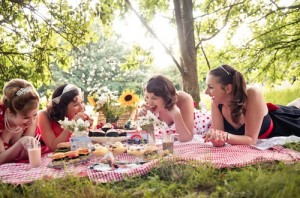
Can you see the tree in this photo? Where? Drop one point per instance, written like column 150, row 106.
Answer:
column 188, row 56
column 269, row 52
column 104, row 63
column 267, row 55
column 34, row 33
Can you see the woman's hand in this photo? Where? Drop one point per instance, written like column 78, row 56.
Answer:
column 217, row 137
column 27, row 140
column 84, row 117
column 144, row 108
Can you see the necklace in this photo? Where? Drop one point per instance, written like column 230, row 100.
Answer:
column 17, row 129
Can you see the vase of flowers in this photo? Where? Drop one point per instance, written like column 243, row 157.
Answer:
column 111, row 105
column 79, row 129
column 149, row 128
column 148, row 123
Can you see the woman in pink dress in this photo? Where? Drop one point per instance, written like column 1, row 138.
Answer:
column 18, row 119
column 66, row 102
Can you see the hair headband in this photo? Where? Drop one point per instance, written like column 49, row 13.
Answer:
column 23, row 91
column 67, row 88
column 225, row 70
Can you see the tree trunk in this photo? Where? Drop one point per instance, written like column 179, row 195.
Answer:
column 185, row 30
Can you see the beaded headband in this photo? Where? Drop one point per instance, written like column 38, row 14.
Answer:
column 67, row 88
column 23, row 91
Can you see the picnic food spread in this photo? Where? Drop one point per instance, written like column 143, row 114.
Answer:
column 63, row 155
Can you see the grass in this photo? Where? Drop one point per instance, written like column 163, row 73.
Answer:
column 264, row 180
column 274, row 179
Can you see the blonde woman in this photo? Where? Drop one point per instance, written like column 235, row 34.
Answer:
column 18, row 119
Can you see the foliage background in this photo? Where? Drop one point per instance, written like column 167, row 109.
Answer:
column 50, row 42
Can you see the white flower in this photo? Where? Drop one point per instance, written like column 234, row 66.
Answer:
column 102, row 100
column 78, row 126
column 150, row 118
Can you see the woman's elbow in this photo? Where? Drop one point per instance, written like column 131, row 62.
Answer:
column 185, row 139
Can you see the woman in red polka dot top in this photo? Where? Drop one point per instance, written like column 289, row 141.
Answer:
column 176, row 108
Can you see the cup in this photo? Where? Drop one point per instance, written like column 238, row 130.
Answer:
column 168, row 142
column 34, row 155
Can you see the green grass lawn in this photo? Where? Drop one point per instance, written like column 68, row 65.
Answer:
column 263, row 180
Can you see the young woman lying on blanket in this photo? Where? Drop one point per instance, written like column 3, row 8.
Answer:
column 240, row 115
column 18, row 119
column 66, row 102
column 176, row 108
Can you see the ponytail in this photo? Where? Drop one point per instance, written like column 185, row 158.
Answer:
column 237, row 105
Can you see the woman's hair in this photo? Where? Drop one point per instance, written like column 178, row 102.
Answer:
column 161, row 86
column 20, row 96
column 61, row 97
column 228, row 75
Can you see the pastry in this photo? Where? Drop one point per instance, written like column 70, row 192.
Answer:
column 117, row 148
column 106, row 127
column 122, row 133
column 136, row 151
column 99, row 151
column 97, row 133
column 112, row 133
column 150, row 153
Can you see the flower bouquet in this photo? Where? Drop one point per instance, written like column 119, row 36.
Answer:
column 111, row 105
column 148, row 123
column 77, row 127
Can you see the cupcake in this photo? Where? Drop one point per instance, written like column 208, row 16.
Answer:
column 122, row 132
column 97, row 133
column 112, row 133
column 106, row 127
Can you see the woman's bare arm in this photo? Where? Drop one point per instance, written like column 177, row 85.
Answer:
column 48, row 134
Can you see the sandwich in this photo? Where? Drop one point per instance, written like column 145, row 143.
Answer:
column 150, row 153
column 72, row 156
column 58, row 159
column 63, row 147
column 83, row 153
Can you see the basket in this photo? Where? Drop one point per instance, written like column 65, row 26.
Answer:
column 121, row 121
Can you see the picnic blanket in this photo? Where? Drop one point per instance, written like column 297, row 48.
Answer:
column 231, row 156
column 223, row 157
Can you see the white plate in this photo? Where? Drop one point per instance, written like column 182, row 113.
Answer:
column 103, row 140
column 102, row 167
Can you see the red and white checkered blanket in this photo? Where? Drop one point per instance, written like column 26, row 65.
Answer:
column 231, row 156
column 228, row 156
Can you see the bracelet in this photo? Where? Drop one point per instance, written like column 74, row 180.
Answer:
column 228, row 137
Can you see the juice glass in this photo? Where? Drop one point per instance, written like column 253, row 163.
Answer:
column 34, row 155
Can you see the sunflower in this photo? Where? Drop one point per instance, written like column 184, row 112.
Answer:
column 91, row 100
column 128, row 98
